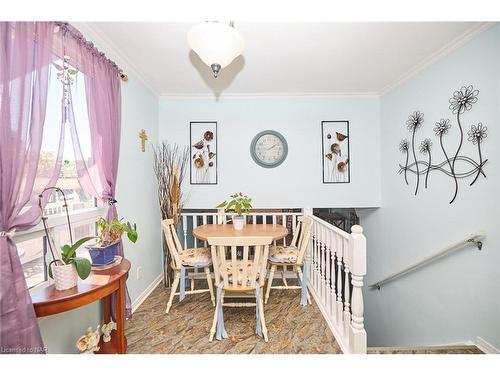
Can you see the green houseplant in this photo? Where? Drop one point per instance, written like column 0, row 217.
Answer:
column 109, row 234
column 65, row 271
column 240, row 204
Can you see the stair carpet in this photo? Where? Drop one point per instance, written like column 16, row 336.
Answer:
column 455, row 349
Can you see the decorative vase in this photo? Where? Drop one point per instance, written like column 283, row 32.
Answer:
column 102, row 255
column 238, row 222
column 65, row 275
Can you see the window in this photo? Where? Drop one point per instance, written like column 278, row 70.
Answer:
column 83, row 209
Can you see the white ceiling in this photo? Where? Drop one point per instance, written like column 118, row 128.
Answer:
column 285, row 58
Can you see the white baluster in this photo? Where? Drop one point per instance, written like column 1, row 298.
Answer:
column 283, row 222
column 313, row 255
column 333, row 300
column 316, row 257
column 357, row 249
column 340, row 255
column 184, row 229
column 195, row 224
column 328, row 244
column 347, row 311
column 308, row 259
column 323, row 266
column 221, row 216
column 204, row 223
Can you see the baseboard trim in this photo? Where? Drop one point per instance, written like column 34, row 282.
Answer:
column 146, row 292
column 485, row 346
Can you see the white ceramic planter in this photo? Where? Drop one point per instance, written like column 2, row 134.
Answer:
column 239, row 222
column 65, row 276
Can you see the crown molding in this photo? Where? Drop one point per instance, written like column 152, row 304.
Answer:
column 272, row 95
column 438, row 55
column 93, row 33
column 121, row 58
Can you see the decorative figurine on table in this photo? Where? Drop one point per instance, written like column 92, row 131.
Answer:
column 88, row 343
column 106, row 330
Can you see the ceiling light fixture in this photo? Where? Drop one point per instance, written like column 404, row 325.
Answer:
column 216, row 43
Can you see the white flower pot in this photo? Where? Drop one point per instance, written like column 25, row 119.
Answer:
column 239, row 222
column 65, row 275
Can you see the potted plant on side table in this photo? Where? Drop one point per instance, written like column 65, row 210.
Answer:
column 109, row 235
column 65, row 271
column 240, row 204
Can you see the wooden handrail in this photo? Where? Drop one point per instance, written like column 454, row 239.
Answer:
column 472, row 238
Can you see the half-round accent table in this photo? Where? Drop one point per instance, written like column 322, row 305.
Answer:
column 100, row 284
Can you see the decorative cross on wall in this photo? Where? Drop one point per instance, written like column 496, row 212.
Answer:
column 144, row 137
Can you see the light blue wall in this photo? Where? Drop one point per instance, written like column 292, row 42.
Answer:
column 298, row 181
column 457, row 298
column 137, row 202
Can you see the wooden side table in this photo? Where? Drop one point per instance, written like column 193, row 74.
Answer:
column 99, row 285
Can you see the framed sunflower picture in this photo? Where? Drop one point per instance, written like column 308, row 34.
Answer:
column 203, row 148
column 335, row 152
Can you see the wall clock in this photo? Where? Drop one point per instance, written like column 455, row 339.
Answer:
column 269, row 149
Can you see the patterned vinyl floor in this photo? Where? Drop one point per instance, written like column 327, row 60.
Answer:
column 292, row 329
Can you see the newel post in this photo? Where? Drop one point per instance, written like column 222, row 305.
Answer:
column 357, row 258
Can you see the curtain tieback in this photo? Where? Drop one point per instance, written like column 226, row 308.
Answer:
column 112, row 201
column 9, row 234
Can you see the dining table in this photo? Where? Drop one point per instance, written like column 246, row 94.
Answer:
column 276, row 231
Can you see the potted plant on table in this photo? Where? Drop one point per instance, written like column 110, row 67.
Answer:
column 241, row 205
column 109, row 236
column 65, row 271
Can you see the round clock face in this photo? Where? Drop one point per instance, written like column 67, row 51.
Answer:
column 269, row 149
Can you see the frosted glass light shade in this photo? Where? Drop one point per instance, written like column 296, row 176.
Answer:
column 217, row 44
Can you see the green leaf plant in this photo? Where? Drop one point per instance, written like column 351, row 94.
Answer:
column 111, row 231
column 68, row 256
column 239, row 203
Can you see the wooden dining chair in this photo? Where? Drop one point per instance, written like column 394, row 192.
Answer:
column 293, row 255
column 184, row 260
column 239, row 274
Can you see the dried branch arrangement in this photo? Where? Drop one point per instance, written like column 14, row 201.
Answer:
column 170, row 163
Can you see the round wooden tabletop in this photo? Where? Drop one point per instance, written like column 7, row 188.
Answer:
column 275, row 231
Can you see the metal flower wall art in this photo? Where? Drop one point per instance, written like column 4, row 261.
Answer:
column 455, row 164
column 203, row 139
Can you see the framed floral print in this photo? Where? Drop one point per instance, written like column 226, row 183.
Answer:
column 203, row 148
column 335, row 152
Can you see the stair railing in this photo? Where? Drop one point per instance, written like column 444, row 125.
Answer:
column 470, row 239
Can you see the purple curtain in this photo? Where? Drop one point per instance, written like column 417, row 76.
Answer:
column 98, row 172
column 25, row 57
